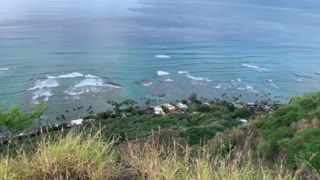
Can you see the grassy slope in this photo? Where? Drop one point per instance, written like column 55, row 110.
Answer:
column 79, row 156
column 281, row 145
column 291, row 134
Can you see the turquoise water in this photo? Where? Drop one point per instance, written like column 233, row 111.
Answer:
column 80, row 53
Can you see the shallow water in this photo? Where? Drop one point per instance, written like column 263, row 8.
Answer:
column 80, row 53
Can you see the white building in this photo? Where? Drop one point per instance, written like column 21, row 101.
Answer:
column 243, row 120
column 76, row 122
column 182, row 106
column 158, row 110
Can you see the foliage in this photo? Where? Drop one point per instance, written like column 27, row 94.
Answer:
column 87, row 156
column 15, row 121
column 242, row 113
column 193, row 97
column 291, row 132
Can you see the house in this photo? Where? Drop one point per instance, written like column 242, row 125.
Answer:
column 158, row 110
column 182, row 106
column 76, row 122
column 171, row 108
column 243, row 120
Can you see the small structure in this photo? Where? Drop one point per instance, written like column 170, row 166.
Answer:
column 270, row 108
column 237, row 106
column 243, row 120
column 182, row 106
column 256, row 108
column 158, row 110
column 171, row 108
column 76, row 122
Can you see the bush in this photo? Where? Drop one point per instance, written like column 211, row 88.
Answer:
column 193, row 97
column 15, row 121
column 242, row 113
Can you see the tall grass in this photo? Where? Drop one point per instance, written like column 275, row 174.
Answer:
column 74, row 156
column 81, row 156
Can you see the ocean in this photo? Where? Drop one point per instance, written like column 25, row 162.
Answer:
column 83, row 53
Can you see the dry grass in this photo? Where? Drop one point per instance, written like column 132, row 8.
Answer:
column 79, row 156
column 74, row 156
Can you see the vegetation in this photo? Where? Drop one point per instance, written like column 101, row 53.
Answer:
column 14, row 121
column 88, row 156
column 291, row 133
column 207, row 141
column 193, row 97
column 197, row 124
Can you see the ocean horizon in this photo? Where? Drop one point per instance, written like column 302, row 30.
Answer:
column 81, row 53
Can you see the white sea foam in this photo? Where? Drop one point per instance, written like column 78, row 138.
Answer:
column 275, row 86
column 162, row 56
column 71, row 75
column 256, row 68
column 198, row 78
column 42, row 93
column 249, row 87
column 239, row 80
column 298, row 79
column 147, row 84
column 90, row 76
column 96, row 82
column 241, row 89
column 162, row 73
column 4, row 69
column 48, row 83
column 167, row 80
column 183, row 72
column 51, row 77
column 113, row 86
column 90, row 82
column 74, row 93
column 218, row 86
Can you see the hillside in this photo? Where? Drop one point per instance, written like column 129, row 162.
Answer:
column 207, row 141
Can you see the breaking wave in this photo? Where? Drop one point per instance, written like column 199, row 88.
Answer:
column 167, row 80
column 275, row 86
column 71, row 75
column 256, row 68
column 42, row 94
column 97, row 82
column 144, row 83
column 162, row 73
column 48, row 83
column 198, row 78
column 162, row 56
column 183, row 72
column 90, row 76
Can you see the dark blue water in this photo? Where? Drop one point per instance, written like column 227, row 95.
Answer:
column 73, row 53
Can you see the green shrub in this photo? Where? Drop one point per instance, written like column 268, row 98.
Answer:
column 242, row 113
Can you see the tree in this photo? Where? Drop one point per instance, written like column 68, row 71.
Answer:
column 14, row 121
column 193, row 97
